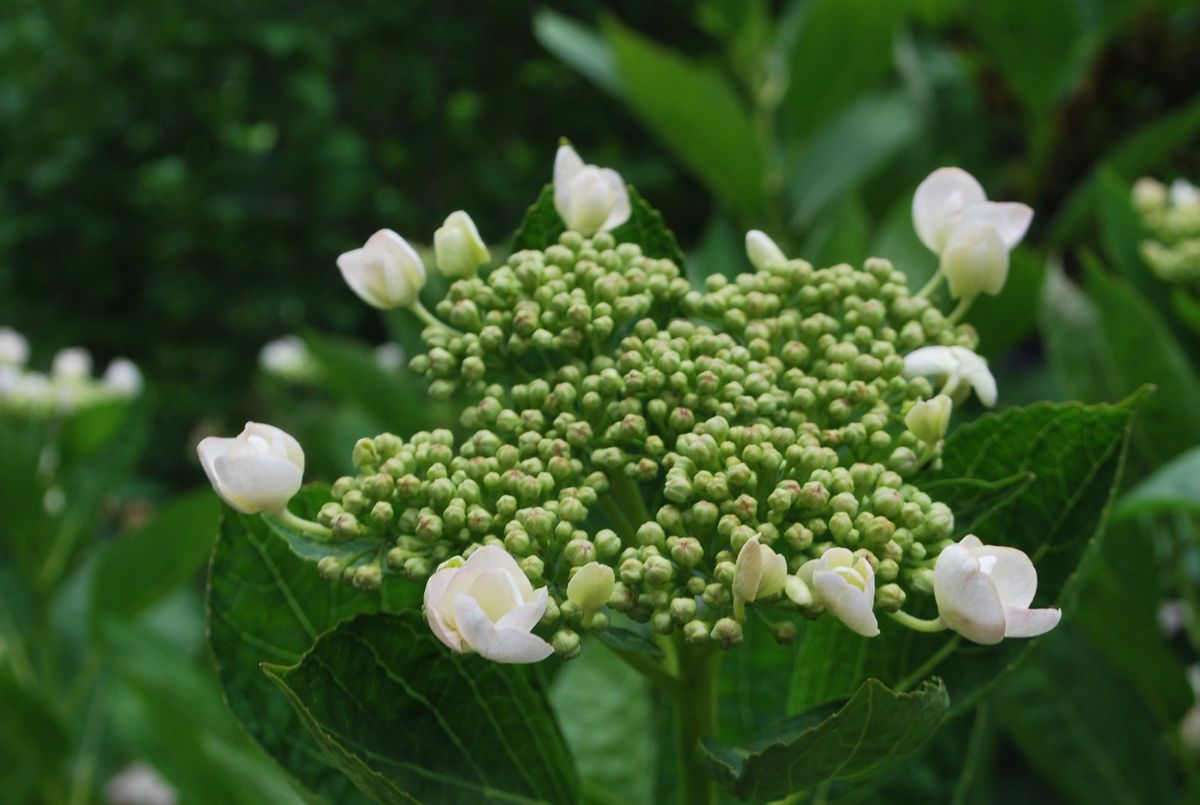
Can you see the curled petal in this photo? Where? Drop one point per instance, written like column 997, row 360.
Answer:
column 1012, row 573
column 441, row 621
column 621, row 208
column 846, row 602
column 1010, row 219
column 256, row 483
column 504, row 644
column 1030, row 622
column 748, row 570
column 930, row 361
column 966, row 599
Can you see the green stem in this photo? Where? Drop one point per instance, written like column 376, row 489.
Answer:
column 306, row 526
column 696, row 718
column 918, row 624
column 424, row 315
column 932, row 285
column 625, row 490
column 963, row 306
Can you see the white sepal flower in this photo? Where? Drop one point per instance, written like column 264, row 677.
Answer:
column 14, row 348
column 845, row 586
column 762, row 251
column 928, row 419
column 970, row 234
column 983, row 592
column 487, row 605
column 589, row 199
column 123, row 378
column 457, row 246
column 760, row 572
column 957, row 368
column 259, row 470
column 386, row 272
column 72, row 363
column 591, row 586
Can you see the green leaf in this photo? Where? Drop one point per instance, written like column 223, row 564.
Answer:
column 542, row 224
column 874, row 730
column 579, row 47
column 1174, row 485
column 142, row 567
column 34, row 743
column 647, row 228
column 632, row 639
column 1070, row 329
column 266, row 604
column 843, row 49
column 695, row 111
column 410, row 721
column 607, row 714
column 1076, row 453
column 1077, row 722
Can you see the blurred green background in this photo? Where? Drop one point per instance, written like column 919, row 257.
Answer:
column 177, row 179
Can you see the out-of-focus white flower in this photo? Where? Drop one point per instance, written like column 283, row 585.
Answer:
column 1149, row 194
column 457, row 246
column 589, row 199
column 390, row 356
column 928, row 419
column 287, row 358
column 54, row 501
column 971, row 235
column 386, row 272
column 845, row 586
column 139, row 784
column 14, row 349
column 957, row 368
column 1184, row 194
column 259, row 470
column 762, row 251
column 123, row 378
column 983, row 592
column 72, row 363
column 487, row 605
column 10, row 376
column 591, row 586
column 760, row 572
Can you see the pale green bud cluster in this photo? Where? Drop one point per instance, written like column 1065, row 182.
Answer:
column 656, row 429
column 1172, row 217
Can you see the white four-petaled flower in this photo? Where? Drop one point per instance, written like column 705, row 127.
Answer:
column 971, row 235
column 259, row 470
column 457, row 246
column 589, row 199
column 983, row 592
column 386, row 272
column 845, row 586
column 487, row 605
column 957, row 368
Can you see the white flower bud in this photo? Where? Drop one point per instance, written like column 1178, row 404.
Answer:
column 139, row 784
column 928, row 419
column 14, row 349
column 591, row 586
column 72, row 363
column 589, row 199
column 844, row 586
column 386, row 272
column 286, row 358
column 259, row 470
column 760, row 571
column 983, row 592
column 487, row 605
column 972, row 235
column 458, row 248
column 1149, row 194
column 762, row 251
column 1184, row 194
column 957, row 368
column 123, row 378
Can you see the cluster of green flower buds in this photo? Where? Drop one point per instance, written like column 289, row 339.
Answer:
column 657, row 430
column 1172, row 217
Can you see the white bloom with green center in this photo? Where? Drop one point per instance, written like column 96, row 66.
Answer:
column 589, row 199
column 929, row 419
column 457, row 246
column 957, row 368
column 971, row 235
column 259, row 470
column 14, row 348
column 845, row 586
column 488, row 606
column 983, row 592
column 762, row 251
column 386, row 272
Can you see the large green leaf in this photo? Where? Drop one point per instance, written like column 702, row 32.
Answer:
column 145, row 565
column 541, row 225
column 1075, row 453
column 578, row 46
column 266, row 604
column 34, row 743
column 1070, row 327
column 410, row 721
column 1078, row 723
column 695, row 111
column 1174, row 485
column 874, row 730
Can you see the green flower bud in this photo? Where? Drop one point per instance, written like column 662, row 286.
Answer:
column 889, row 598
column 658, row 571
column 687, row 551
column 607, row 543
column 346, row 527
column 695, row 632
column 566, row 643
column 727, row 632
column 368, row 577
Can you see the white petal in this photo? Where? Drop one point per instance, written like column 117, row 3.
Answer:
column 257, row 483
column 435, row 611
column 567, row 165
column 975, row 261
column 797, row 590
column 488, row 557
column 967, row 602
column 591, row 586
column 762, row 251
column 289, row 448
column 495, row 593
column 1030, row 622
column 774, row 573
column 209, row 450
column 1012, row 574
column 748, row 570
column 938, row 202
column 926, row 361
column 1011, row 219
column 499, row 644
column 526, row 616
column 353, row 266
column 846, row 602
column 621, row 207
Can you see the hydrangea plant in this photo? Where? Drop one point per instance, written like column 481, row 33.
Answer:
column 668, row 473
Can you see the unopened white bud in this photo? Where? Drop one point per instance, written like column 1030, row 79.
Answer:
column 457, row 246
